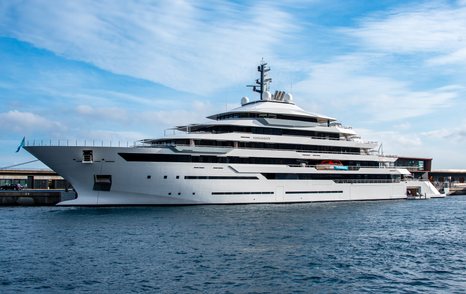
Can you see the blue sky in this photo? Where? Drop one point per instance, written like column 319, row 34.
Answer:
column 125, row 70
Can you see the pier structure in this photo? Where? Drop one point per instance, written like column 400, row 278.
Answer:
column 450, row 181
column 32, row 178
column 33, row 187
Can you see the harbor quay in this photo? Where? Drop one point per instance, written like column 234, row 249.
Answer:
column 34, row 197
column 33, row 187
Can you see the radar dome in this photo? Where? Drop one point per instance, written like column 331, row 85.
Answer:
column 288, row 98
column 267, row 96
column 244, row 100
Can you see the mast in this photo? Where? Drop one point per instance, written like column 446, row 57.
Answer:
column 263, row 83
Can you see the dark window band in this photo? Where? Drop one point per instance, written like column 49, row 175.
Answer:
column 263, row 131
column 240, row 193
column 236, row 115
column 219, row 178
column 312, row 192
column 157, row 157
column 260, row 145
column 336, row 177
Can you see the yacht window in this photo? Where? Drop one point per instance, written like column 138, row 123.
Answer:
column 269, row 115
column 87, row 156
column 102, row 182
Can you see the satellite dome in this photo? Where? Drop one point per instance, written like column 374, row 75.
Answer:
column 267, row 96
column 244, row 100
column 288, row 98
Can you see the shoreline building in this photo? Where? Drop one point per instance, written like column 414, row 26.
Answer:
column 32, row 179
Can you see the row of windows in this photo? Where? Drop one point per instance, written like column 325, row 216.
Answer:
column 261, row 145
column 144, row 157
column 265, row 131
column 313, row 192
column 240, row 193
column 292, row 176
column 265, row 115
column 298, row 147
column 339, row 178
column 219, row 178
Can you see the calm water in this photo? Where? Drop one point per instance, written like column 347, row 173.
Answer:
column 385, row 246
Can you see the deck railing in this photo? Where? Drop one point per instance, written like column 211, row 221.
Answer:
column 366, row 181
column 175, row 132
column 80, row 143
column 141, row 144
column 111, row 143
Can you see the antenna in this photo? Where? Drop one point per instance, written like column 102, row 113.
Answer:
column 380, row 151
column 263, row 83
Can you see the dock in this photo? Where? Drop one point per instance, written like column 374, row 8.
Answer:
column 35, row 197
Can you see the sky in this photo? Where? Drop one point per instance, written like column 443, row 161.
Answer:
column 120, row 71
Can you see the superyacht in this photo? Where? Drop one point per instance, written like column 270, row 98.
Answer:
column 265, row 151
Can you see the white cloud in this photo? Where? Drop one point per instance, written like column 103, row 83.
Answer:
column 150, row 124
column 110, row 112
column 190, row 47
column 433, row 28
column 27, row 122
column 397, row 143
column 107, row 137
column 85, row 109
column 352, row 82
column 455, row 57
column 456, row 133
column 168, row 119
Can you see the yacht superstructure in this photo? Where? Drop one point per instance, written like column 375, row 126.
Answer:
column 265, row 151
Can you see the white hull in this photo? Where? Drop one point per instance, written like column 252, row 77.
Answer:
column 186, row 183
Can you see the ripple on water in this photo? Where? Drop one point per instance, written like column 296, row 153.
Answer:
column 363, row 247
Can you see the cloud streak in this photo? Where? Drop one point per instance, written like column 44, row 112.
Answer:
column 27, row 122
column 455, row 133
column 350, row 81
column 175, row 43
column 438, row 29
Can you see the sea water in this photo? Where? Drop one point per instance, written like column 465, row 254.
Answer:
column 346, row 247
